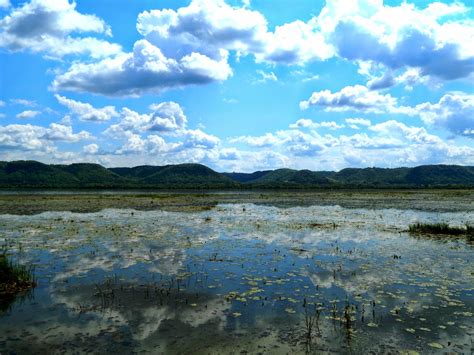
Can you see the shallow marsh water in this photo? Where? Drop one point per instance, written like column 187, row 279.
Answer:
column 240, row 277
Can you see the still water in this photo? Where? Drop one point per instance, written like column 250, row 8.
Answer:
column 239, row 278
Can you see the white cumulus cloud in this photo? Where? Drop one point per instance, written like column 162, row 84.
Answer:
column 91, row 149
column 4, row 3
column 356, row 97
column 307, row 123
column 86, row 112
column 31, row 137
column 144, row 70
column 28, row 114
column 401, row 36
column 454, row 112
column 166, row 117
column 48, row 27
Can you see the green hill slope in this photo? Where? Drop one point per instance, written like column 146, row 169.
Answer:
column 294, row 178
column 372, row 177
column 432, row 175
column 246, row 177
column 188, row 175
column 138, row 172
column 93, row 175
column 32, row 174
column 25, row 173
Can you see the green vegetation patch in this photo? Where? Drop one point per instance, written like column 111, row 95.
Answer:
column 14, row 278
column 441, row 228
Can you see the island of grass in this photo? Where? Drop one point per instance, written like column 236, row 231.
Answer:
column 441, row 229
column 14, row 278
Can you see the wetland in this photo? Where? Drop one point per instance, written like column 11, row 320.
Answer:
column 239, row 272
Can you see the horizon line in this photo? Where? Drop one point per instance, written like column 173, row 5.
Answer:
column 235, row 172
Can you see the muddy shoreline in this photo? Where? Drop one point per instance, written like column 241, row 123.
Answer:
column 29, row 203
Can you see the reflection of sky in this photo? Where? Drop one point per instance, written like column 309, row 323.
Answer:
column 145, row 312
column 271, row 258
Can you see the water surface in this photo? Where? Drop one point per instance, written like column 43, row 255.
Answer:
column 240, row 277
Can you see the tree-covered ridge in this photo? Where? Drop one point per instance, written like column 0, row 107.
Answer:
column 33, row 174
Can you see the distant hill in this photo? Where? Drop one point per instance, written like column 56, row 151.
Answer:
column 372, row 177
column 294, row 178
column 92, row 175
column 427, row 175
column 246, row 177
column 33, row 174
column 138, row 172
column 188, row 175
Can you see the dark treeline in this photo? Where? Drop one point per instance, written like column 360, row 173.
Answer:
column 32, row 174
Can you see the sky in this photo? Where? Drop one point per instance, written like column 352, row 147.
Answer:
column 238, row 85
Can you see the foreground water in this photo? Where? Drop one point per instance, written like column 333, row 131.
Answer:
column 240, row 278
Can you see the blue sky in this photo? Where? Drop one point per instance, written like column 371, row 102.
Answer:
column 238, row 85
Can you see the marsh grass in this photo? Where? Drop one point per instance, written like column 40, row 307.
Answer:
column 16, row 282
column 311, row 324
column 14, row 277
column 442, row 229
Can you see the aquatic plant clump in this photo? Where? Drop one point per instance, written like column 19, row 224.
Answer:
column 15, row 278
column 441, row 228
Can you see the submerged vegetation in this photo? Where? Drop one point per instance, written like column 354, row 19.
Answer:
column 442, row 228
